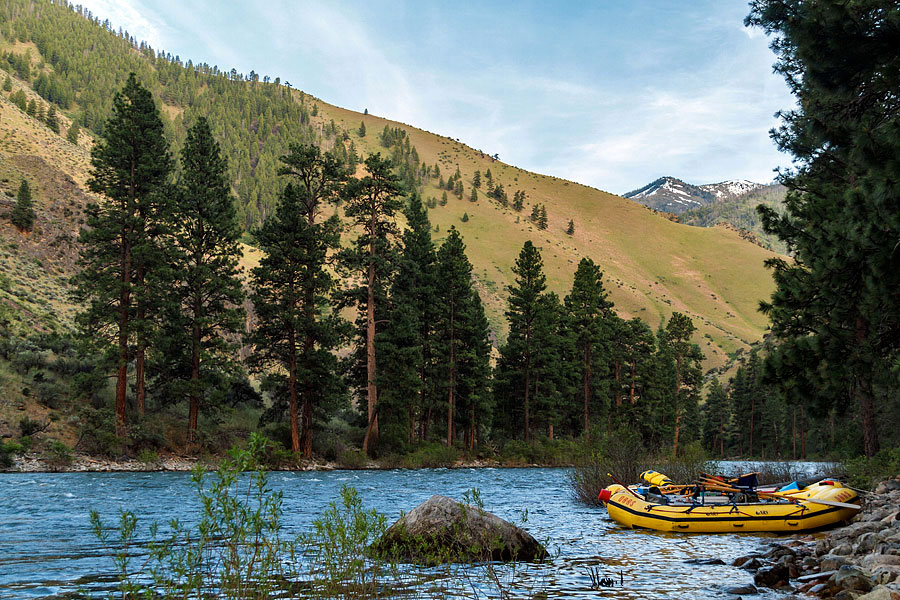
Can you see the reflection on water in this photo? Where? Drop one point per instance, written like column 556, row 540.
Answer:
column 47, row 549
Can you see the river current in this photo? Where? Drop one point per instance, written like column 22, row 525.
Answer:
column 48, row 550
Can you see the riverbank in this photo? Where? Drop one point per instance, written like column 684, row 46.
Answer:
column 80, row 463
column 860, row 561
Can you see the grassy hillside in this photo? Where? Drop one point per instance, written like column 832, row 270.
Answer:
column 741, row 212
column 653, row 266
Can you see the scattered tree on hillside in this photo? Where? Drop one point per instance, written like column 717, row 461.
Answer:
column 474, row 196
column 72, row 133
column 542, row 218
column 362, row 129
column 22, row 215
column 570, row 230
column 519, row 201
column 476, row 179
column 7, row 84
column 52, row 121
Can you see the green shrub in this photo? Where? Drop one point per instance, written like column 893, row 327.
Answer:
column 352, row 458
column 57, row 454
column 148, row 457
column 866, row 472
column 430, row 455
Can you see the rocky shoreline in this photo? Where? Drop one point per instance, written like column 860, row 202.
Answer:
column 860, row 561
column 80, row 463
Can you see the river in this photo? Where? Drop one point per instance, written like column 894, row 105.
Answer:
column 47, row 548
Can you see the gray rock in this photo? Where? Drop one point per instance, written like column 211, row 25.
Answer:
column 816, row 576
column 444, row 530
column 866, row 543
column 737, row 590
column 851, row 577
column 819, row 589
column 873, row 561
column 885, row 574
column 844, row 549
column 881, row 592
column 753, row 564
column 847, row 595
column 705, row 561
column 740, row 561
column 772, row 576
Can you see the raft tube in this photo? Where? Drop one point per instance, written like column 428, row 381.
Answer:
column 633, row 511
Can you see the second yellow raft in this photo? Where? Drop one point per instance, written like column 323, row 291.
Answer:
column 631, row 510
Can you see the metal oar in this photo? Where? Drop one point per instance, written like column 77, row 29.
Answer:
column 717, row 484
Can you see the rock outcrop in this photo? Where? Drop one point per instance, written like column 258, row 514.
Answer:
column 444, row 530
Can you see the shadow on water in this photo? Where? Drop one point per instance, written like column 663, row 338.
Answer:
column 47, row 548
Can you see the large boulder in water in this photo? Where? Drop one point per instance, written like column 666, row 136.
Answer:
column 443, row 530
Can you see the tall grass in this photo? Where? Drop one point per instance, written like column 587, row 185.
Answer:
column 623, row 456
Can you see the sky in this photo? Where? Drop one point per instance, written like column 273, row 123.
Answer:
column 609, row 94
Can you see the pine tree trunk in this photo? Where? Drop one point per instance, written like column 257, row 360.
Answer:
column 194, row 407
column 472, row 427
column 802, row 432
column 631, row 388
column 618, row 384
column 141, row 351
column 371, row 391
column 124, row 305
column 587, row 393
column 677, row 404
column 306, row 414
column 794, row 435
column 292, row 391
column 752, row 414
column 865, row 397
column 527, row 392
column 452, row 380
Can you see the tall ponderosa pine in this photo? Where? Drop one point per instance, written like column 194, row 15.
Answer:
column 688, row 376
column 406, row 346
column 297, row 330
column 372, row 203
column 588, row 305
column 525, row 306
column 836, row 308
column 205, row 263
column 461, row 331
column 23, row 213
column 131, row 165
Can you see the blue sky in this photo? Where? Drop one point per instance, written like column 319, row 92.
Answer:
column 610, row 94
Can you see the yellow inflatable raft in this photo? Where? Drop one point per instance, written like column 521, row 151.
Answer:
column 718, row 514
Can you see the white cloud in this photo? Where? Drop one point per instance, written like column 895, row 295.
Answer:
column 127, row 15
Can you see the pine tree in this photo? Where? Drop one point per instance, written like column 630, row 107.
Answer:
column 31, row 108
column 371, row 205
column 72, row 133
column 474, row 196
column 444, row 199
column 22, row 215
column 206, row 293
column 362, row 129
column 570, row 230
column 519, row 201
column 524, row 310
column 535, row 213
column 542, row 218
column 476, row 179
column 835, row 308
column 7, row 84
column 405, row 347
column 18, row 98
column 716, row 417
column 292, row 287
column 52, row 120
column 587, row 305
column 465, row 217
column 688, row 376
column 458, row 188
column 131, row 165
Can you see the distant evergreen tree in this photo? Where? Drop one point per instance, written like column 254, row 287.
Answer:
column 444, row 199
column 72, row 133
column 474, row 196
column 31, row 108
column 535, row 213
column 52, row 120
column 465, row 218
column 371, row 205
column 716, row 417
column 362, row 129
column 22, row 215
column 131, row 166
column 542, row 218
column 570, row 230
column 458, row 188
column 436, row 173
column 519, row 201
column 7, row 84
column 688, row 376
column 476, row 180
column 18, row 98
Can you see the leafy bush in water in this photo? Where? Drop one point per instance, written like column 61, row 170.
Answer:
column 623, row 455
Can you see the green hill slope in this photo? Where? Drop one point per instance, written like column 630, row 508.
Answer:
column 653, row 266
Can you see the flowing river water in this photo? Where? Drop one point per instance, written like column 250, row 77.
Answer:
column 48, row 550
